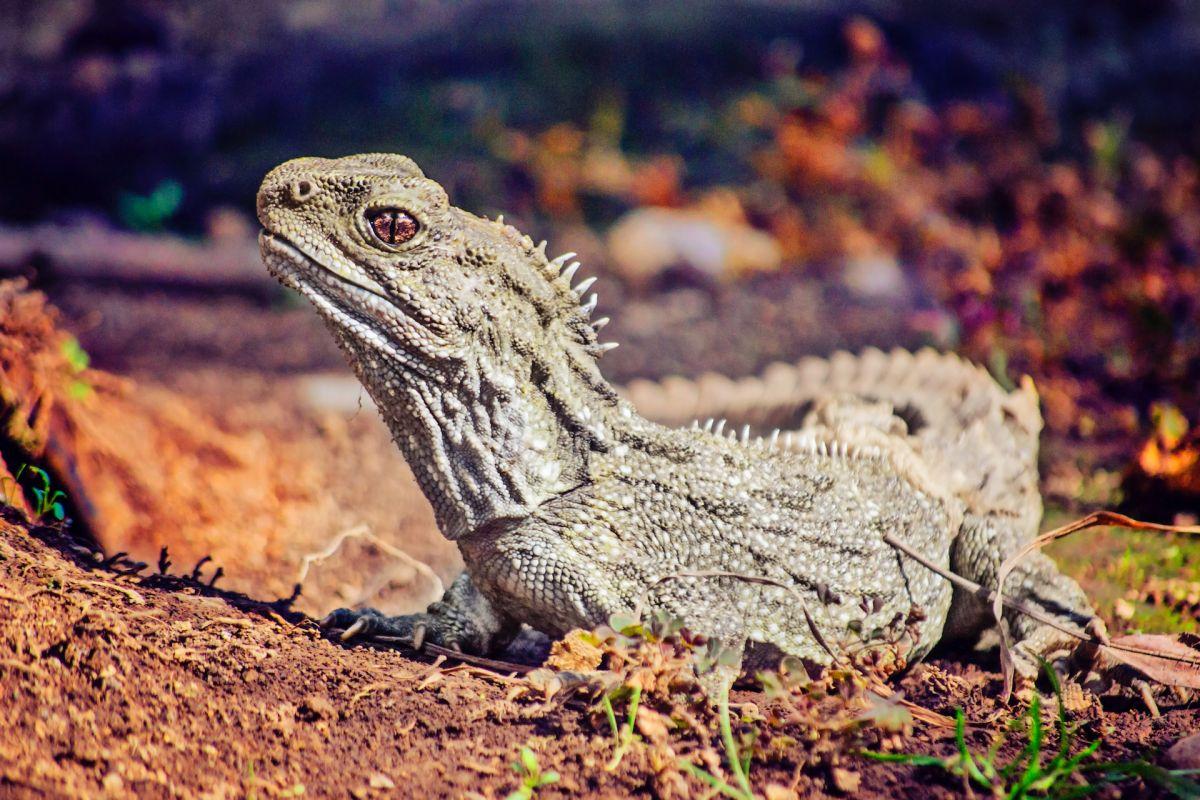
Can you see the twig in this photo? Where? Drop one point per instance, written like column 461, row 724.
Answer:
column 479, row 661
column 1016, row 605
column 364, row 532
column 130, row 594
column 981, row 592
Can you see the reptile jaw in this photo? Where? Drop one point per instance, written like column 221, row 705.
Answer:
column 278, row 252
column 347, row 304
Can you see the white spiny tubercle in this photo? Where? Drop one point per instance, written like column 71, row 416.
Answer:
column 600, row 323
column 720, row 427
column 774, row 441
column 569, row 273
column 590, row 305
column 787, row 440
column 563, row 259
column 541, row 248
column 499, row 219
column 583, row 286
column 745, row 433
column 708, row 425
column 604, row 347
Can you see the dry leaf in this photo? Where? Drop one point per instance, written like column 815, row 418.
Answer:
column 575, row 652
column 1169, row 660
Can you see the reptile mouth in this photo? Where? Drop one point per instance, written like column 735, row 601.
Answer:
column 290, row 264
column 361, row 306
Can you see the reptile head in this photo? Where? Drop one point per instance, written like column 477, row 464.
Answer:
column 379, row 250
column 445, row 316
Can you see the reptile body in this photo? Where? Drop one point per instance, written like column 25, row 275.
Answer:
column 569, row 505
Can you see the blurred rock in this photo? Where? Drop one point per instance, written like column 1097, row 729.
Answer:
column 1185, row 754
column 648, row 241
column 874, row 276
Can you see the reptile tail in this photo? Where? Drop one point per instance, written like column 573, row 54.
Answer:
column 981, row 439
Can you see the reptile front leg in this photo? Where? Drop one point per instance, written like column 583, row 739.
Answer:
column 548, row 581
column 464, row 619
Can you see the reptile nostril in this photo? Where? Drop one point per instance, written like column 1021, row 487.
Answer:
column 303, row 189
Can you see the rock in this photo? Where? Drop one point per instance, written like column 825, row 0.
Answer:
column 113, row 783
column 874, row 276
column 1185, row 754
column 381, row 781
column 647, row 241
column 845, row 780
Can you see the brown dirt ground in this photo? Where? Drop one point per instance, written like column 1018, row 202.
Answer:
column 123, row 684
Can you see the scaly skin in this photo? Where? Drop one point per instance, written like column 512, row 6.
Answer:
column 567, row 505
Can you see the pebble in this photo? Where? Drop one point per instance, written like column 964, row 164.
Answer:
column 1185, row 754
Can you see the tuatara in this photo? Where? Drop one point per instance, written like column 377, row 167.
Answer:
column 568, row 505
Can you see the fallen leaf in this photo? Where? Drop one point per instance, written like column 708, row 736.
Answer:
column 1123, row 609
column 1169, row 660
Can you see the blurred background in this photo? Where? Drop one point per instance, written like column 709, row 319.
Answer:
column 753, row 181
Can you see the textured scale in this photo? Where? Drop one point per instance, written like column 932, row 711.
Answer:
column 568, row 505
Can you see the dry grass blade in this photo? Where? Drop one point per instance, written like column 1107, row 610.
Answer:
column 1095, row 519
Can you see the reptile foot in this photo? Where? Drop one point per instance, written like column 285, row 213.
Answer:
column 371, row 625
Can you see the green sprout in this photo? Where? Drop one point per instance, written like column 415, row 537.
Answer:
column 78, row 360
column 623, row 735
column 47, row 499
column 532, row 777
column 1030, row 774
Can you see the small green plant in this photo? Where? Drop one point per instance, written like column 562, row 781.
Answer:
column 1030, row 774
column 78, row 360
column 532, row 777
column 251, row 782
column 47, row 499
column 148, row 212
column 715, row 656
column 737, row 757
column 623, row 735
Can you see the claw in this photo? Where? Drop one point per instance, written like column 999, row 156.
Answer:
column 326, row 620
column 1148, row 698
column 418, row 636
column 353, row 630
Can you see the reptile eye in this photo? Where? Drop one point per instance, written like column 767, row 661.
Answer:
column 392, row 226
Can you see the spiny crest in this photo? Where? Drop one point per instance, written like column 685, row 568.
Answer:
column 791, row 441
column 561, row 272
